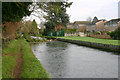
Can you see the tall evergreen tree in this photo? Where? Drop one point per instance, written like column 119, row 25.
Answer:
column 95, row 19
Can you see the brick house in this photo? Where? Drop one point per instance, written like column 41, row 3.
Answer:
column 59, row 27
column 90, row 27
column 81, row 25
column 70, row 26
column 112, row 24
column 100, row 25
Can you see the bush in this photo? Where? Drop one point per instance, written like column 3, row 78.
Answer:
column 115, row 34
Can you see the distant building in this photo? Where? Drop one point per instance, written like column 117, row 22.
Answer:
column 70, row 26
column 90, row 27
column 81, row 28
column 100, row 25
column 81, row 25
column 112, row 24
column 78, row 23
column 95, row 25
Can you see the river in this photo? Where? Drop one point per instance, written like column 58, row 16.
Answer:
column 66, row 60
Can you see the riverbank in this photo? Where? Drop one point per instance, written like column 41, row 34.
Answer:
column 18, row 61
column 94, row 40
column 103, row 44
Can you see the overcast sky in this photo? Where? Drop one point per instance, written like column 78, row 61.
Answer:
column 82, row 9
column 103, row 9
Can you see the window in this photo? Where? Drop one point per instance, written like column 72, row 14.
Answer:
column 114, row 24
column 106, row 25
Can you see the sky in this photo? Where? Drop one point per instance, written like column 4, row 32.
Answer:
column 80, row 10
column 103, row 9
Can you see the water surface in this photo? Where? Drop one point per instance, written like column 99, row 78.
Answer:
column 66, row 60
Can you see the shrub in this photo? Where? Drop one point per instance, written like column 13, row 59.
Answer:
column 115, row 34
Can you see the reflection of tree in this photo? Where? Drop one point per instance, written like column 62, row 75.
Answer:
column 57, row 58
column 54, row 57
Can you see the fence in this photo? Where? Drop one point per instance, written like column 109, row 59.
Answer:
column 56, row 33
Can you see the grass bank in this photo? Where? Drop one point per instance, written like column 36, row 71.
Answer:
column 9, row 55
column 94, row 40
column 31, row 67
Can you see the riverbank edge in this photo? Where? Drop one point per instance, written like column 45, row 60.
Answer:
column 31, row 66
column 101, row 46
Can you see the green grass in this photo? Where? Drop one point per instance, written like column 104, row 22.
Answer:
column 32, row 67
column 0, row 67
column 8, row 62
column 90, row 39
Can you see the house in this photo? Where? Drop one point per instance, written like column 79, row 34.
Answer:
column 70, row 26
column 100, row 25
column 91, row 27
column 112, row 24
column 81, row 25
column 58, row 27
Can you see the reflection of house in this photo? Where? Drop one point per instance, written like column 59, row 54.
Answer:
column 100, row 25
column 81, row 25
column 112, row 24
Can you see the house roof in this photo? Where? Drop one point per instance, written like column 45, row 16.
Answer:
column 70, row 23
column 70, row 26
column 113, row 20
column 82, row 22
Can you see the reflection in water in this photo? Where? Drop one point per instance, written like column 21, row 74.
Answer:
column 65, row 60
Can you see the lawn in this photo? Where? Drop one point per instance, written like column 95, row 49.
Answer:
column 90, row 39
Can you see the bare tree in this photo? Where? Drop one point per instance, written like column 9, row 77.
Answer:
column 89, row 19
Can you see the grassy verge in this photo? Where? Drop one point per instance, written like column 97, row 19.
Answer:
column 0, row 67
column 32, row 67
column 90, row 39
column 9, row 55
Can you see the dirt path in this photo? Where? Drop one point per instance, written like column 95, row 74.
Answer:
column 7, row 54
column 19, row 61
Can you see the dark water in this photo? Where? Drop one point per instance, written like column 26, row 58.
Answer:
column 66, row 60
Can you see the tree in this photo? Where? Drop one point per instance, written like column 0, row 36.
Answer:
column 89, row 19
column 25, row 27
column 56, row 14
column 28, row 27
column 115, row 34
column 34, row 29
column 95, row 19
column 14, row 11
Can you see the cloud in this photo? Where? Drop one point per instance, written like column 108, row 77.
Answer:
column 81, row 9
